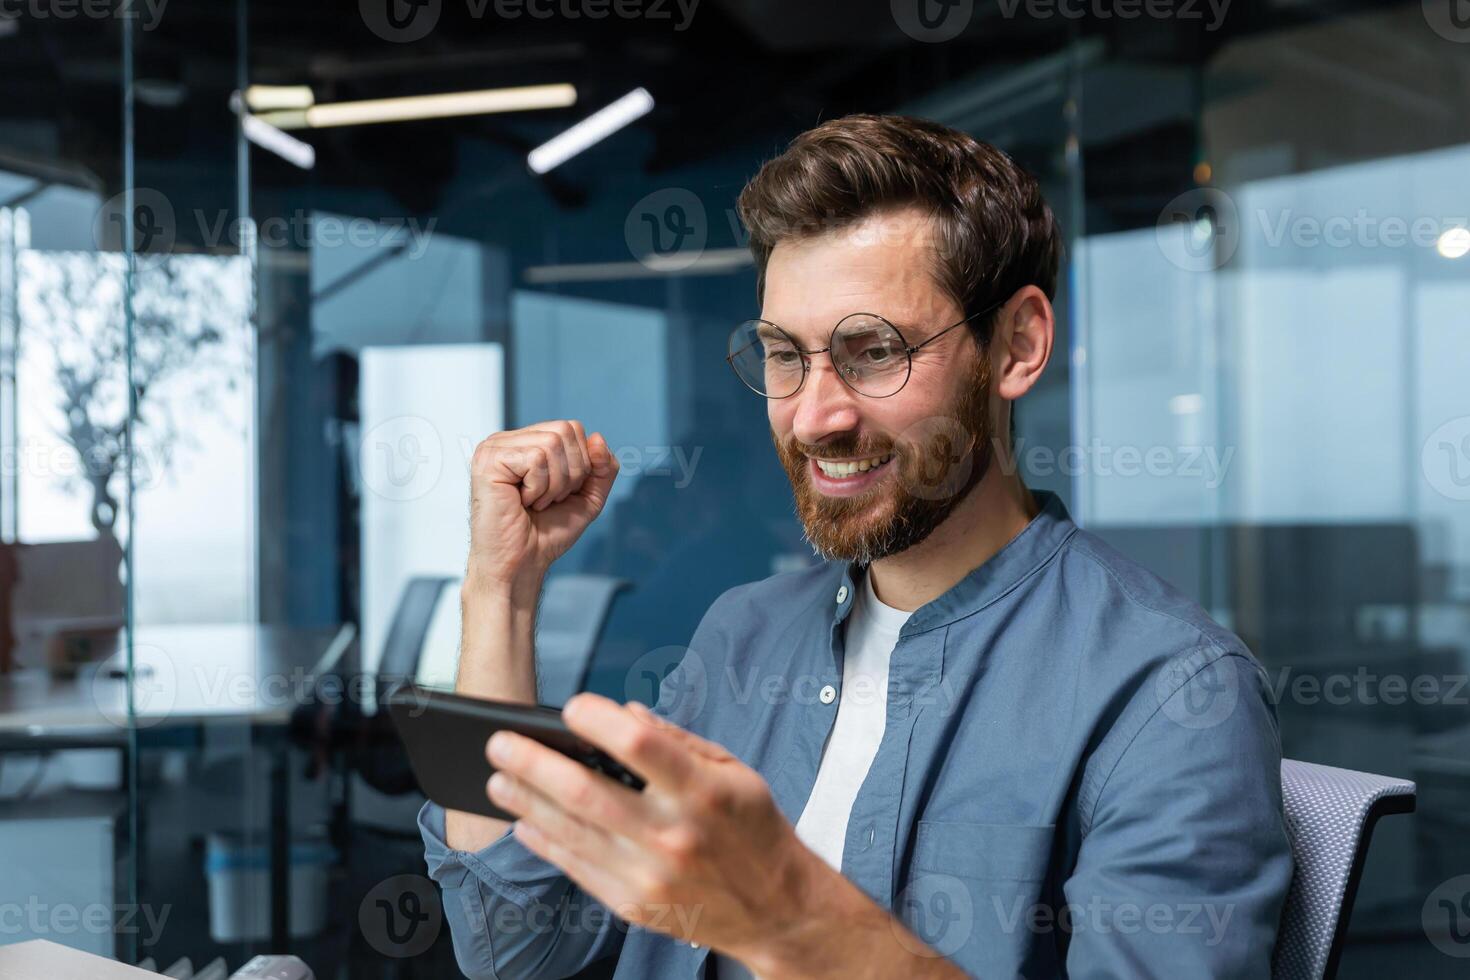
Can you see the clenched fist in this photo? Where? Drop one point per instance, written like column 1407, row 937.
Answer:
column 533, row 491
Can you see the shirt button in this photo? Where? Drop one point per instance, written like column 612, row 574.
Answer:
column 828, row 695
column 869, row 839
column 842, row 595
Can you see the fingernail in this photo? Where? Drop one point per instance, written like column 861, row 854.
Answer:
column 499, row 748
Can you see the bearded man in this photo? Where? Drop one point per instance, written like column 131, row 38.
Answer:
column 973, row 741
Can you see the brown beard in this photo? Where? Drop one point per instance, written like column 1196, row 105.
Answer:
column 937, row 462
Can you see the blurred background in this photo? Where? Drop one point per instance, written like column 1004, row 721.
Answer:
column 324, row 300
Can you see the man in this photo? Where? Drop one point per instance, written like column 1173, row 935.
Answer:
column 973, row 742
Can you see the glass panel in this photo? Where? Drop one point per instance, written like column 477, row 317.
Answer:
column 1279, row 335
column 65, row 813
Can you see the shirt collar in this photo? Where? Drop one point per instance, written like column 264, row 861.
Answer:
column 1033, row 547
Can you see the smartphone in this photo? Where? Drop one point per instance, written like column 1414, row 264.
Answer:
column 445, row 734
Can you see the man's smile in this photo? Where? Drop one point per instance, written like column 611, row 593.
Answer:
column 846, row 477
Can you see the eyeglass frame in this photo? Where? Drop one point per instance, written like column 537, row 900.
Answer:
column 806, row 355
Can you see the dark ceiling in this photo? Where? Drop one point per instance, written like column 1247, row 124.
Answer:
column 739, row 73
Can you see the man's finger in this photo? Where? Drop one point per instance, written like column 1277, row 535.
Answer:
column 572, row 787
column 655, row 754
column 710, row 750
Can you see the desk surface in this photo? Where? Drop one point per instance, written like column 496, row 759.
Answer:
column 41, row 959
column 184, row 674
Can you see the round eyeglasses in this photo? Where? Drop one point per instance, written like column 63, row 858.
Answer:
column 868, row 352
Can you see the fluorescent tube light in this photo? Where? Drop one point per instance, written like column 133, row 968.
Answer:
column 283, row 145
column 263, row 98
column 713, row 262
column 426, row 107
column 595, row 128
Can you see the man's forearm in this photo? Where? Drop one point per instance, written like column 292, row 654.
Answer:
column 497, row 661
column 837, row 931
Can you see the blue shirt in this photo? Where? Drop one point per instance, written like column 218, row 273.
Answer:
column 1079, row 776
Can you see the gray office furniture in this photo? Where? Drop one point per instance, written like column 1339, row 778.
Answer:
column 1330, row 814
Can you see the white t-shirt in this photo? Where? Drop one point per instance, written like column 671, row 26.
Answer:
column 862, row 713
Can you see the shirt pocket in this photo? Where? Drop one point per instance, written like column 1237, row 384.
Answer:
column 973, row 892
column 995, row 852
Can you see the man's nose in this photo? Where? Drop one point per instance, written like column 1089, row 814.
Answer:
column 825, row 405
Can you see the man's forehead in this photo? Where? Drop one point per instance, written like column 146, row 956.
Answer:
column 883, row 265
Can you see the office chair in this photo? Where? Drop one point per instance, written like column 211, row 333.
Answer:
column 1330, row 815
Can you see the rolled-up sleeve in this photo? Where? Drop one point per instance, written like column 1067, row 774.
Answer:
column 1185, row 863
column 513, row 915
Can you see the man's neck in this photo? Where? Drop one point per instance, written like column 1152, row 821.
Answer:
column 994, row 512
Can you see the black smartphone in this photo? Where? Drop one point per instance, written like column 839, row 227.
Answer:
column 445, row 734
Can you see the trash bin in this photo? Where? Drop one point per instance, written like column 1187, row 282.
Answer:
column 239, row 887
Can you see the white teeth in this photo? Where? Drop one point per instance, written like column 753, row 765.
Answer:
column 851, row 467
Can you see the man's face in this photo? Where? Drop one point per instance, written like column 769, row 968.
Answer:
column 925, row 447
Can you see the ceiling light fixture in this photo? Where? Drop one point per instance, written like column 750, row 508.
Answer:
column 443, row 106
column 595, row 128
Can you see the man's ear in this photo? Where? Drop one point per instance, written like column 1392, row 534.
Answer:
column 1021, row 342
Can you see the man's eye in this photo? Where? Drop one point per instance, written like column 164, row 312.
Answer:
column 785, row 358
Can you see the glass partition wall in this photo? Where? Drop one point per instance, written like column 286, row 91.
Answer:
column 241, row 382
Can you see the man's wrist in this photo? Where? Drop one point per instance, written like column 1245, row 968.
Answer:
column 519, row 594
column 819, row 905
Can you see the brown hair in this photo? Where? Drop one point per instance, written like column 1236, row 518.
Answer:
column 994, row 231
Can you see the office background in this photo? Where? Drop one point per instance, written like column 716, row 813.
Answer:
column 1259, row 391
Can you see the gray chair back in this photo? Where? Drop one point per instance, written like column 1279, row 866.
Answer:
column 1330, row 815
